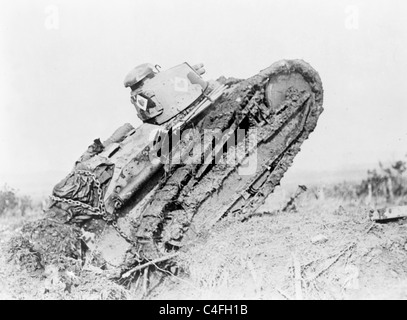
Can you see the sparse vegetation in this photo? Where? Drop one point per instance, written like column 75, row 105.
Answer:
column 388, row 182
column 11, row 203
column 8, row 199
column 384, row 185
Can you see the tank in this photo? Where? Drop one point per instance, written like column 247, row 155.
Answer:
column 205, row 150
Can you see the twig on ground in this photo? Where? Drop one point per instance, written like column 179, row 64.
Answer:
column 257, row 214
column 317, row 290
column 297, row 277
column 284, row 294
column 137, row 282
column 145, row 282
column 290, row 205
column 175, row 277
column 332, row 263
column 254, row 276
column 149, row 263
column 370, row 227
column 308, row 264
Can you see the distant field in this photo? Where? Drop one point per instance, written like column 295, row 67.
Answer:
column 37, row 185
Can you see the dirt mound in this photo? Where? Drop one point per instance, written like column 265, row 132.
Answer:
column 47, row 242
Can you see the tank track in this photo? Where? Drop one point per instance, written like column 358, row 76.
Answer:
column 194, row 197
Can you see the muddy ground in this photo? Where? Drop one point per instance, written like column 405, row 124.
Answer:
column 326, row 249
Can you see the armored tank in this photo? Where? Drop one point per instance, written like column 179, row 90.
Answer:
column 205, row 150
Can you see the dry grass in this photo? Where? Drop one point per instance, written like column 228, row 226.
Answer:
column 254, row 260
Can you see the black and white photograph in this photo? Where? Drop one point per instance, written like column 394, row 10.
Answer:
column 172, row 151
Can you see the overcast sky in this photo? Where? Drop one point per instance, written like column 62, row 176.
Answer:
column 62, row 65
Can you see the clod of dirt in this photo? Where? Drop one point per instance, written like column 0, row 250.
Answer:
column 319, row 239
column 46, row 242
